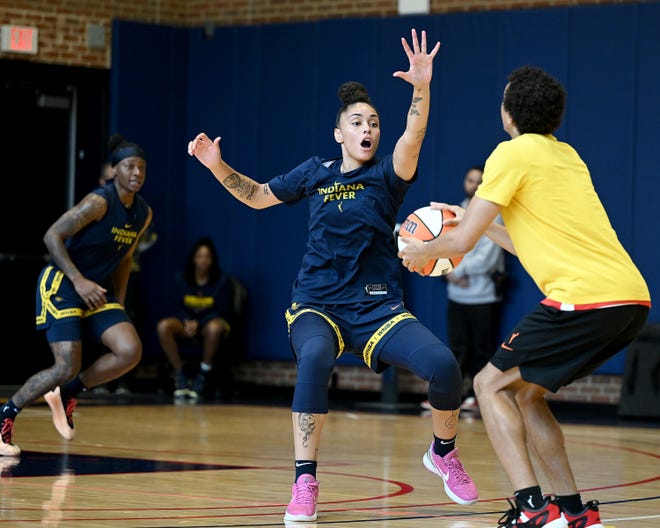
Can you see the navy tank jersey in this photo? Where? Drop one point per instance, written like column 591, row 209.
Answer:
column 351, row 252
column 98, row 249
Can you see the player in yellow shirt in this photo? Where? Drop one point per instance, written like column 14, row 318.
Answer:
column 596, row 300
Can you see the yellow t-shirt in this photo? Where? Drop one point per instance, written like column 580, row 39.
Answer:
column 558, row 226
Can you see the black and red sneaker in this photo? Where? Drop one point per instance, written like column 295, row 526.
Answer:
column 588, row 518
column 547, row 516
column 6, row 431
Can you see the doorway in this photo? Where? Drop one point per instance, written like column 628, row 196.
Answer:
column 35, row 140
column 53, row 143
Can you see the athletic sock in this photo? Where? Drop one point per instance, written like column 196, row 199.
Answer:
column 571, row 503
column 72, row 388
column 305, row 467
column 9, row 410
column 442, row 447
column 530, row 498
column 204, row 368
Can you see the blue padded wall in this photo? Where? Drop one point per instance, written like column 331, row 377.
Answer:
column 148, row 96
column 601, row 102
column 271, row 93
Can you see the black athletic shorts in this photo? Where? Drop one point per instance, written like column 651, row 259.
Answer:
column 553, row 348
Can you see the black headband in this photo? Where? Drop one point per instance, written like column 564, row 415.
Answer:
column 126, row 152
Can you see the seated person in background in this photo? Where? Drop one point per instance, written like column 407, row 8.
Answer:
column 205, row 304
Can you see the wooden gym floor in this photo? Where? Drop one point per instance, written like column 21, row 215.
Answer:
column 144, row 462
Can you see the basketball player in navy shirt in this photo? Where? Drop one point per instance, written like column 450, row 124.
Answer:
column 348, row 294
column 81, row 291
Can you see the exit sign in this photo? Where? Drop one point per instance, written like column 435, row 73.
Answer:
column 19, row 39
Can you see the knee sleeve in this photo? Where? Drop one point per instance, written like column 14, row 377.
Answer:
column 315, row 359
column 417, row 349
column 445, row 382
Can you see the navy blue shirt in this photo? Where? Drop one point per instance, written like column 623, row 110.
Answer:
column 99, row 247
column 351, row 252
column 203, row 302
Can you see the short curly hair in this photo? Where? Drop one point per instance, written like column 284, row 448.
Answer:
column 535, row 100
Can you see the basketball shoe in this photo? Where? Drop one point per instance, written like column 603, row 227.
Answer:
column 547, row 516
column 181, row 389
column 470, row 404
column 6, row 447
column 458, row 484
column 304, row 495
column 62, row 412
column 588, row 518
column 6, row 463
column 199, row 386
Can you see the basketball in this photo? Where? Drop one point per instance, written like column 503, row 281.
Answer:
column 426, row 224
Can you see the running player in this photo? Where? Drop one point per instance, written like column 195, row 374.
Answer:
column 81, row 291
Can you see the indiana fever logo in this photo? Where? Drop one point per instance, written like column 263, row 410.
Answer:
column 340, row 192
column 123, row 237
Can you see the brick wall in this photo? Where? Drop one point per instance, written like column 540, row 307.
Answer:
column 592, row 389
column 64, row 24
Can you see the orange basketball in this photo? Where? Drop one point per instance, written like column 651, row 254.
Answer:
column 426, row 224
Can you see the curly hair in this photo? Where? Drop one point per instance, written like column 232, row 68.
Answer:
column 535, row 100
column 350, row 93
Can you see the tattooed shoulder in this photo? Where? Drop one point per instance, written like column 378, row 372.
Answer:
column 90, row 208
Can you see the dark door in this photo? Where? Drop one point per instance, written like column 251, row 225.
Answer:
column 35, row 142
column 44, row 142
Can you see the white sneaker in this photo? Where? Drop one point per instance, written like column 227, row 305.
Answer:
column 6, row 463
column 470, row 404
column 62, row 416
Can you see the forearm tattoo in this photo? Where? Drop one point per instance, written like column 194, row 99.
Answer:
column 306, row 424
column 413, row 106
column 244, row 189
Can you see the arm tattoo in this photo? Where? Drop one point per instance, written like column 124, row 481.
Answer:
column 266, row 189
column 90, row 208
column 243, row 188
column 413, row 106
column 232, row 181
column 307, row 425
